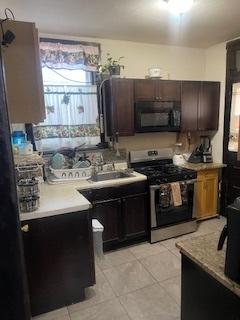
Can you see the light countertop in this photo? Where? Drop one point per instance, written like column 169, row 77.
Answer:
column 203, row 251
column 65, row 198
column 203, row 166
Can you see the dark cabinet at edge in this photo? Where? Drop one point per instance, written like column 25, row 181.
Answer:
column 200, row 105
column 59, row 260
column 119, row 107
column 123, row 211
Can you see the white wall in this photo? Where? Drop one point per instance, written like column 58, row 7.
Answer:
column 215, row 70
column 180, row 62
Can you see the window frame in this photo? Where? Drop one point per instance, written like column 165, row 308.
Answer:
column 29, row 126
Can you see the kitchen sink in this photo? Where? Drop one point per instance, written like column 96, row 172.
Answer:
column 110, row 175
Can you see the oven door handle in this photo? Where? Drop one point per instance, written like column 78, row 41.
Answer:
column 192, row 181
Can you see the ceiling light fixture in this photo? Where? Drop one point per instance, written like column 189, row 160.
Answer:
column 179, row 7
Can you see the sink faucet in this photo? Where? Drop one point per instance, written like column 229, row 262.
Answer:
column 100, row 163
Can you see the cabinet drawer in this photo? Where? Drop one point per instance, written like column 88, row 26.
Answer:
column 96, row 195
column 205, row 174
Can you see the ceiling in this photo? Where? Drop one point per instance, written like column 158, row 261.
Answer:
column 207, row 23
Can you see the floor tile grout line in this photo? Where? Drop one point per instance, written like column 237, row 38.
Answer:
column 132, row 293
column 91, row 306
column 151, row 272
column 118, row 296
column 169, row 295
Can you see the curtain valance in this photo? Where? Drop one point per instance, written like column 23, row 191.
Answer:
column 70, row 55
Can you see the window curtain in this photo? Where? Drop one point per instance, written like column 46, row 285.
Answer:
column 71, row 118
column 71, row 106
column 70, row 55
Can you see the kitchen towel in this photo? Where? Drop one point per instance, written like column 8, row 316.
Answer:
column 176, row 194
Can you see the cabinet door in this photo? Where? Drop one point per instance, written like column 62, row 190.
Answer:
column 207, row 194
column 169, row 90
column 189, row 105
column 233, row 59
column 123, row 106
column 23, row 74
column 109, row 215
column 54, row 249
column 209, row 106
column 135, row 216
column 145, row 89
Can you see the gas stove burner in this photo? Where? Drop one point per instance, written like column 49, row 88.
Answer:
column 167, row 173
column 159, row 170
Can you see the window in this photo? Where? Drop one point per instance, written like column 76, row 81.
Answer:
column 72, row 117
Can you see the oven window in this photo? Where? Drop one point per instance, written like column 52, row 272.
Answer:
column 166, row 212
column 154, row 119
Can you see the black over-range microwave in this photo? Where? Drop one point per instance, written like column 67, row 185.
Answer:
column 156, row 116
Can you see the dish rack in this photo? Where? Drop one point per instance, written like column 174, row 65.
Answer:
column 72, row 174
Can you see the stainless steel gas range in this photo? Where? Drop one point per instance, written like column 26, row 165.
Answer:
column 171, row 191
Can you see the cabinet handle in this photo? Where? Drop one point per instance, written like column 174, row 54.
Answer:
column 25, row 228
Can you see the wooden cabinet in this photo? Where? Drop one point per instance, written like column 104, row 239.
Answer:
column 164, row 90
column 59, row 260
column 199, row 102
column 209, row 106
column 200, row 105
column 145, row 90
column 189, row 106
column 119, row 107
column 134, row 216
column 123, row 211
column 207, row 194
column 108, row 213
column 23, row 77
column 233, row 60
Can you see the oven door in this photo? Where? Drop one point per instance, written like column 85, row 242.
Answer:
column 163, row 210
column 157, row 116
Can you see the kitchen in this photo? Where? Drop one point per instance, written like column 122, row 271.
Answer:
column 118, row 174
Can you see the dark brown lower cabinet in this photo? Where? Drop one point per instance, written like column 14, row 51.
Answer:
column 123, row 211
column 59, row 260
column 134, row 216
column 108, row 214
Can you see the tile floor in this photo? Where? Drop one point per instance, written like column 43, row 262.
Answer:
column 141, row 282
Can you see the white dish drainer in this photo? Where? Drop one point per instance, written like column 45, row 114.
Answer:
column 72, row 174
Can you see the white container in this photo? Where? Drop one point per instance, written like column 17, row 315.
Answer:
column 97, row 238
column 72, row 174
column 154, row 72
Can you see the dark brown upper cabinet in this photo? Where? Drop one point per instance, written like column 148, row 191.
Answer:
column 145, row 90
column 200, row 105
column 233, row 59
column 23, row 74
column 189, row 105
column 119, row 107
column 209, row 106
column 164, row 90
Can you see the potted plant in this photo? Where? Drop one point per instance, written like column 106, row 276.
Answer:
column 111, row 67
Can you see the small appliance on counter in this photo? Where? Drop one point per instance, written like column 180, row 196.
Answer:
column 203, row 153
column 232, row 232
column 196, row 156
column 178, row 158
column 206, row 149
